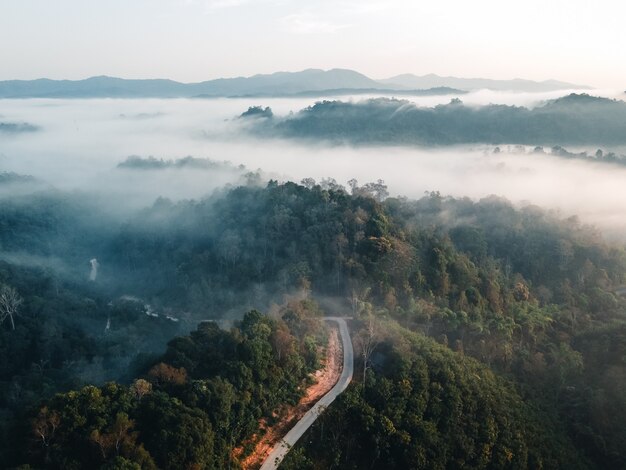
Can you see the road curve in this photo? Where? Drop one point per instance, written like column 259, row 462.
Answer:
column 280, row 450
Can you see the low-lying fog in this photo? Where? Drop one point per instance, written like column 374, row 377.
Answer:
column 80, row 142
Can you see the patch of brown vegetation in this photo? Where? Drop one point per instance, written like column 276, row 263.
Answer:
column 325, row 378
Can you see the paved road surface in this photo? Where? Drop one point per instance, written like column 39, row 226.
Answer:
column 278, row 454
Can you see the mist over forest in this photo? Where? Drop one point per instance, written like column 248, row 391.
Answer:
column 576, row 119
column 166, row 264
column 80, row 144
column 286, row 235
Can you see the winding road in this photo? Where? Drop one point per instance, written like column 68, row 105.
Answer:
column 280, row 450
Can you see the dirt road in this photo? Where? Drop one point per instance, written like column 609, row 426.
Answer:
column 280, row 450
column 325, row 378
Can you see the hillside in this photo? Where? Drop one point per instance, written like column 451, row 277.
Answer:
column 532, row 299
column 424, row 407
column 574, row 119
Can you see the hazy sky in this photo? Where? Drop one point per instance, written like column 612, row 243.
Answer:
column 192, row 40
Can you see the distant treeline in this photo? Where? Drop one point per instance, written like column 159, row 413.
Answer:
column 14, row 128
column 599, row 155
column 135, row 162
column 573, row 119
column 9, row 177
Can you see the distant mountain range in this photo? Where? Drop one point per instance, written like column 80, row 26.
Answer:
column 311, row 82
column 517, row 84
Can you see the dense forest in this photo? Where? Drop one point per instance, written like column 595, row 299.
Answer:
column 424, row 406
column 574, row 119
column 497, row 334
column 203, row 396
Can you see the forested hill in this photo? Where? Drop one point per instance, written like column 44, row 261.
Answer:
column 574, row 119
column 525, row 307
column 423, row 406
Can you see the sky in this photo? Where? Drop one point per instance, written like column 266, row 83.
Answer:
column 578, row 41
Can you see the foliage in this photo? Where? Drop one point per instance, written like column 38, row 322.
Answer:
column 424, row 406
column 572, row 119
column 181, row 418
column 533, row 297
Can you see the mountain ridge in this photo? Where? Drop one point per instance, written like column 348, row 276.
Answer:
column 515, row 84
column 309, row 81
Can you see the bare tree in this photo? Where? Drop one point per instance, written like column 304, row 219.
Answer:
column 359, row 302
column 367, row 342
column 308, row 183
column 10, row 302
column 45, row 425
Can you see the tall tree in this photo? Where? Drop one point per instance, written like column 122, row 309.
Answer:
column 10, row 302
